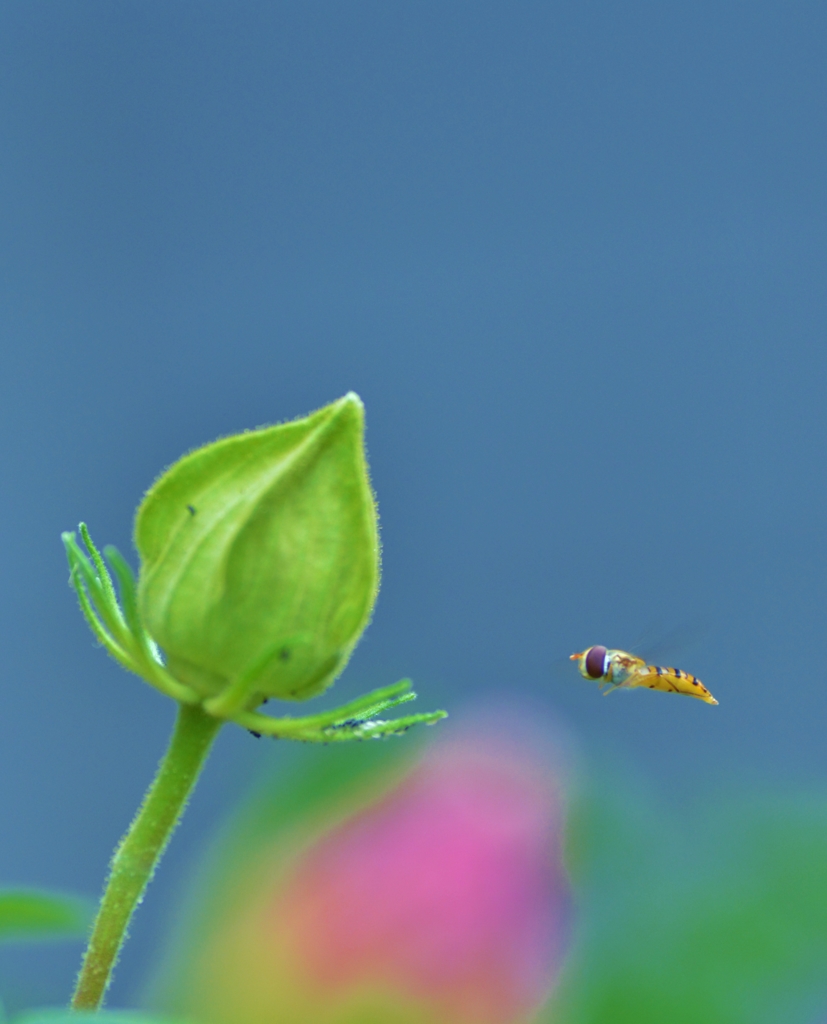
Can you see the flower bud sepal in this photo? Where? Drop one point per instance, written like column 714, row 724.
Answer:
column 117, row 626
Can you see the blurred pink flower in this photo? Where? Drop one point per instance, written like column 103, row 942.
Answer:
column 445, row 901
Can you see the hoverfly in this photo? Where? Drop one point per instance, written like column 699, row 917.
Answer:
column 619, row 669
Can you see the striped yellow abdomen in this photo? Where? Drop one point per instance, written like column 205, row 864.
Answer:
column 673, row 680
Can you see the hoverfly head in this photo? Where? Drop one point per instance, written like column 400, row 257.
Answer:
column 593, row 662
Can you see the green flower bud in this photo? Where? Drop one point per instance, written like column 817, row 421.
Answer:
column 260, row 559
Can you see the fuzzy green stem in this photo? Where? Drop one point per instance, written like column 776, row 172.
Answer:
column 141, row 848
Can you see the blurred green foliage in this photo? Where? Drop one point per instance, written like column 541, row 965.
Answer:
column 718, row 916
column 34, row 915
column 715, row 914
column 63, row 1016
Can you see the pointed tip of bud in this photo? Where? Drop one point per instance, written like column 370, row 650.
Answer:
column 348, row 407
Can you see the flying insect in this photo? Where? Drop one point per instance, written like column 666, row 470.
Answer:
column 615, row 670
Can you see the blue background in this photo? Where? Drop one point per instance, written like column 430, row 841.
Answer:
column 572, row 257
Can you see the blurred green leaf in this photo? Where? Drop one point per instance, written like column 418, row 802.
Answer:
column 33, row 915
column 60, row 1015
column 720, row 919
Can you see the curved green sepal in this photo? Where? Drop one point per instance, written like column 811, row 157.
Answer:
column 117, row 628
column 97, row 602
column 355, row 720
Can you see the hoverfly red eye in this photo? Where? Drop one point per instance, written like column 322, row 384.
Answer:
column 596, row 662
